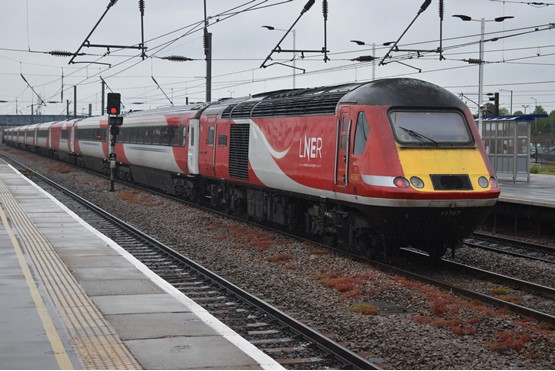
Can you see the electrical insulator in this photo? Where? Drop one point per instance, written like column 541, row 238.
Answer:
column 364, row 58
column 177, row 58
column 308, row 6
column 441, row 9
column 60, row 53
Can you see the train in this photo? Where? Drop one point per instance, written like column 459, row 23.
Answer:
column 369, row 167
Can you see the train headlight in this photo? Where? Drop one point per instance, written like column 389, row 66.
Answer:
column 483, row 182
column 401, row 182
column 493, row 182
column 417, row 182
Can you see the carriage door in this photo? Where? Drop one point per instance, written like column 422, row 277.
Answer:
column 342, row 145
column 211, row 147
column 207, row 154
column 193, row 150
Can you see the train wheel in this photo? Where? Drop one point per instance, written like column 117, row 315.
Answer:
column 369, row 245
column 437, row 250
column 329, row 239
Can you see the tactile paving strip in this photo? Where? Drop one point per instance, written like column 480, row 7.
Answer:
column 94, row 338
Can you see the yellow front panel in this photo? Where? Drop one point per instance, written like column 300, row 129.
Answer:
column 422, row 162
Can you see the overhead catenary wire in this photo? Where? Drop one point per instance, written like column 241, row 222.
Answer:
column 120, row 70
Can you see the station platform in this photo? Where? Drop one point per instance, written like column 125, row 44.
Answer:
column 539, row 191
column 73, row 299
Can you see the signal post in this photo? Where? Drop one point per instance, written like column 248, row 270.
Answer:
column 114, row 122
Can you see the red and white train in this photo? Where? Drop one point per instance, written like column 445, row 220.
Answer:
column 367, row 166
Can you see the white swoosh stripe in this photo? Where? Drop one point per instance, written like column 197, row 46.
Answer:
column 379, row 181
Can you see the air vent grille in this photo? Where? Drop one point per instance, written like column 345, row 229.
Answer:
column 239, row 151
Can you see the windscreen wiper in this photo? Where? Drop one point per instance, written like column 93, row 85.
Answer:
column 419, row 136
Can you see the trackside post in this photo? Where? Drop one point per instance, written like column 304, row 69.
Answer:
column 114, row 121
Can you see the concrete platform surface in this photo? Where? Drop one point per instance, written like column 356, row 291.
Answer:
column 540, row 191
column 78, row 300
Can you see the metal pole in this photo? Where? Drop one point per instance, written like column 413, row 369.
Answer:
column 374, row 61
column 103, row 95
column 209, row 68
column 74, row 100
column 481, row 75
column 294, row 58
column 511, row 103
column 112, row 157
column 208, row 55
column 62, row 90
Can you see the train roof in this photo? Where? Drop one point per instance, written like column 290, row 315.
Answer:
column 396, row 92
column 166, row 110
column 401, row 92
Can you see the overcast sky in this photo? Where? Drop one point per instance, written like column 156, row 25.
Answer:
column 30, row 29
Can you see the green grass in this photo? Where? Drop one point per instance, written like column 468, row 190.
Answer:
column 546, row 169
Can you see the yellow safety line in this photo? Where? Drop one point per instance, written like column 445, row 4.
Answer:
column 94, row 338
column 57, row 346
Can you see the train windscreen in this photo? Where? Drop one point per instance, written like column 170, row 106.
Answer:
column 430, row 128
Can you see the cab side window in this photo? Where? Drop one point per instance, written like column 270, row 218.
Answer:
column 362, row 132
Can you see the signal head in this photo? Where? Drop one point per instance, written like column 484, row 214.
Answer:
column 114, row 103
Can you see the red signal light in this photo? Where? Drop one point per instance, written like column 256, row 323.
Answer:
column 114, row 103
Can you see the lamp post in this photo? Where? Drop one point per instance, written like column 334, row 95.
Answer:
column 361, row 43
column 272, row 28
column 535, row 120
column 481, row 58
column 536, row 103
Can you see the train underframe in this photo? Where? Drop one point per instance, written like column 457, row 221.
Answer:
column 369, row 231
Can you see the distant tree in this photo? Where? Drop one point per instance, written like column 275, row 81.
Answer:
column 504, row 111
column 541, row 126
column 550, row 124
column 539, row 111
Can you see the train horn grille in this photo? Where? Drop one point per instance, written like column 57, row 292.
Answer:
column 451, row 182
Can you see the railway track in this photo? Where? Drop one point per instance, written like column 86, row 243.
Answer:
column 290, row 342
column 435, row 276
column 512, row 247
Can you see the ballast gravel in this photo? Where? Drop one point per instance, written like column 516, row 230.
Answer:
column 410, row 326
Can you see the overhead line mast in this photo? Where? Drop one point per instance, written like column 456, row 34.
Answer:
column 88, row 44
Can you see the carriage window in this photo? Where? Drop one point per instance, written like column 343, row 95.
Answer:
column 184, row 136
column 192, row 138
column 361, row 134
column 211, row 133
column 430, row 128
column 222, row 140
column 172, row 136
column 344, row 143
column 157, row 135
column 345, row 123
